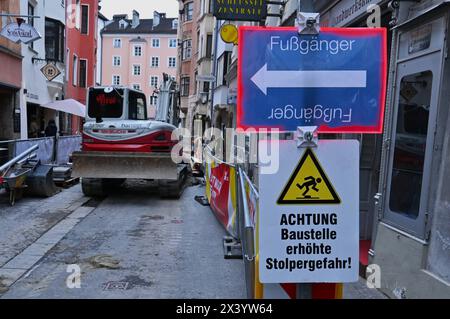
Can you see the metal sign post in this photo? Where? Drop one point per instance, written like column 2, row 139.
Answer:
column 306, row 137
column 315, row 180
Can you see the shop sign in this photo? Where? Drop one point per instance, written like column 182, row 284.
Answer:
column 240, row 10
column 22, row 32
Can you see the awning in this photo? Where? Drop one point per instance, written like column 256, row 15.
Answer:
column 70, row 106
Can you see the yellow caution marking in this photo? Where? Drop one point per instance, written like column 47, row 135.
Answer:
column 308, row 184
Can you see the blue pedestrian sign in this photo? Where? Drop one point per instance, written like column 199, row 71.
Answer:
column 335, row 80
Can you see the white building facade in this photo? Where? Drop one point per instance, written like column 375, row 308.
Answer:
column 37, row 91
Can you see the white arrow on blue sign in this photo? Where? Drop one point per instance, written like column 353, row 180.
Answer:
column 308, row 79
column 335, row 80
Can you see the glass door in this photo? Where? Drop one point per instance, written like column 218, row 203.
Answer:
column 408, row 184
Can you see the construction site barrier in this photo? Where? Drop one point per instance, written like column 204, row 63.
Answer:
column 45, row 153
column 65, row 146
column 248, row 209
column 52, row 150
column 221, row 192
column 234, row 199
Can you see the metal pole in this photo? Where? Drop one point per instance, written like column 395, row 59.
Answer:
column 306, row 6
column 304, row 290
column 18, row 16
column 247, row 235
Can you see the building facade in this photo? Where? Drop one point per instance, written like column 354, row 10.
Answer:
column 10, row 77
column 37, row 90
column 102, row 22
column 136, row 53
column 196, row 77
column 187, row 55
column 81, row 51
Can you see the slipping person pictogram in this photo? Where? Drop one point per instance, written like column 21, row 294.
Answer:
column 310, row 183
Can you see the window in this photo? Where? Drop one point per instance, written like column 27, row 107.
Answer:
column 137, row 107
column 117, row 61
column 117, row 43
column 205, row 7
column 187, row 49
column 83, row 74
column 153, row 99
column 172, row 62
column 137, row 87
column 410, row 144
column 137, row 51
column 116, row 80
column 188, row 11
column 206, row 87
column 202, row 7
column 84, row 19
column 155, row 43
column 136, row 69
column 68, row 66
column 222, row 68
column 31, row 20
column 195, row 82
column 154, row 81
column 122, row 24
column 185, row 82
column 172, row 43
column 77, row 15
column 54, row 40
column 175, row 24
column 209, row 40
column 75, row 70
column 155, row 62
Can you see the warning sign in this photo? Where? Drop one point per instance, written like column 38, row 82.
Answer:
column 308, row 184
column 309, row 214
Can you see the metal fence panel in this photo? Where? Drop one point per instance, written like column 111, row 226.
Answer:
column 65, row 146
column 44, row 153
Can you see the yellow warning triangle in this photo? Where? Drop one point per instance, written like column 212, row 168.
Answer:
column 308, row 184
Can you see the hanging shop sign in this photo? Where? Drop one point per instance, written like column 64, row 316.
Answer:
column 240, row 10
column 229, row 33
column 20, row 33
column 50, row 71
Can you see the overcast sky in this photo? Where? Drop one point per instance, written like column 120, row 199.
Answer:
column 144, row 7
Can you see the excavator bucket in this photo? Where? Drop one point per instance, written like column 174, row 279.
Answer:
column 117, row 165
column 40, row 181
